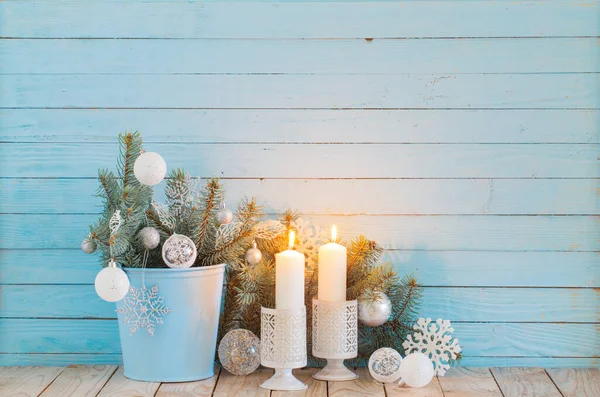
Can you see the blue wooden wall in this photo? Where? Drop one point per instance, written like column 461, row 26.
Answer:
column 461, row 135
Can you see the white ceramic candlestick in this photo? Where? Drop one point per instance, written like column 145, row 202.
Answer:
column 332, row 271
column 335, row 337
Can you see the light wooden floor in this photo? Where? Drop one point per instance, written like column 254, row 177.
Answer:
column 108, row 380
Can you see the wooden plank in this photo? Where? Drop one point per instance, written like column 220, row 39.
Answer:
column 433, row 389
column 303, row 126
column 431, row 268
column 317, row 196
column 62, row 359
column 59, row 336
column 574, row 55
column 416, row 19
column 243, row 386
column 370, row 161
column 499, row 233
column 365, row 385
column 80, row 381
column 316, row 388
column 431, row 91
column 455, row 304
column 469, row 382
column 202, row 388
column 120, row 386
column 524, row 382
column 583, row 382
column 26, row 381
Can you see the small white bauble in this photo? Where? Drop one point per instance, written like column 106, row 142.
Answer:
column 150, row 168
column 374, row 312
column 253, row 255
column 416, row 370
column 385, row 364
column 224, row 215
column 179, row 251
column 150, row 237
column 88, row 246
column 112, row 284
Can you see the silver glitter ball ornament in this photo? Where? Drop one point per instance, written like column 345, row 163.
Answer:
column 88, row 246
column 224, row 215
column 384, row 365
column 150, row 237
column 253, row 255
column 179, row 251
column 239, row 352
column 374, row 312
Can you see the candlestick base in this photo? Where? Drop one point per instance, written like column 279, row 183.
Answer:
column 336, row 371
column 283, row 379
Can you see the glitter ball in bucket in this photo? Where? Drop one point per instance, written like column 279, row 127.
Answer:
column 239, row 352
column 384, row 365
column 111, row 283
column 179, row 251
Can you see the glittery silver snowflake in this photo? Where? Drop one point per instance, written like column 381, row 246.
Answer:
column 435, row 341
column 143, row 308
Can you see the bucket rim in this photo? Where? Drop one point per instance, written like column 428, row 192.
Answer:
column 171, row 270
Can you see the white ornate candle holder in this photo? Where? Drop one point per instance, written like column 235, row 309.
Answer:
column 335, row 337
column 283, row 346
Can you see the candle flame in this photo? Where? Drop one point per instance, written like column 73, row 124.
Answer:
column 292, row 237
column 333, row 233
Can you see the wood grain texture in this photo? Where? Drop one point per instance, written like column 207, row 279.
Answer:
column 433, row 389
column 576, row 382
column 431, row 268
column 60, row 359
column 243, row 386
column 359, row 91
column 363, row 386
column 370, row 161
column 26, row 381
column 302, row 125
column 299, row 20
column 80, row 381
column 469, row 382
column 412, row 196
column 499, row 233
column 316, row 388
column 120, row 386
column 574, row 55
column 202, row 388
column 455, row 304
column 525, row 382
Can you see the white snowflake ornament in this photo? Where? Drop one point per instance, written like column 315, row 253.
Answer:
column 143, row 308
column 434, row 339
column 308, row 240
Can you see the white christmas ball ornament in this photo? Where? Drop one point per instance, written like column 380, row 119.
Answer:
column 179, row 251
column 150, row 237
column 150, row 168
column 253, row 255
column 416, row 370
column 385, row 364
column 112, row 284
column 375, row 311
column 88, row 246
column 224, row 215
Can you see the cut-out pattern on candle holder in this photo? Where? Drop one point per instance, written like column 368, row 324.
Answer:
column 283, row 338
column 335, row 331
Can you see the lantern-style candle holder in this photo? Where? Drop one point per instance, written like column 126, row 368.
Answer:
column 335, row 337
column 283, row 346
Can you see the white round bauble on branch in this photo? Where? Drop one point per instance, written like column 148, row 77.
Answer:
column 375, row 311
column 150, row 237
column 253, row 255
column 150, row 168
column 224, row 215
column 112, row 284
column 385, row 364
column 88, row 246
column 179, row 251
column 416, row 370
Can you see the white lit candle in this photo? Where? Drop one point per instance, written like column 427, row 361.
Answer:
column 332, row 271
column 289, row 278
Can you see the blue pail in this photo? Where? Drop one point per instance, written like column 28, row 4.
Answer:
column 183, row 346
